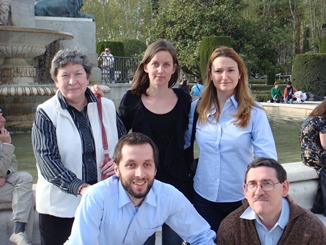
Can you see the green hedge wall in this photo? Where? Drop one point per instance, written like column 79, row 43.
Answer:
column 309, row 73
column 207, row 46
column 133, row 47
column 323, row 44
column 116, row 48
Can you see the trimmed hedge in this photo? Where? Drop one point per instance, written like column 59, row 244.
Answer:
column 309, row 73
column 323, row 44
column 207, row 45
column 116, row 48
column 132, row 47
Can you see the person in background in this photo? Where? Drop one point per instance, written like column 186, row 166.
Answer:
column 128, row 207
column 197, row 89
column 289, row 93
column 307, row 96
column 267, row 216
column 276, row 93
column 154, row 108
column 231, row 130
column 15, row 186
column 185, row 86
column 67, row 144
column 313, row 151
column 107, row 64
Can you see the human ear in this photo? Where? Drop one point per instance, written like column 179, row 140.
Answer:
column 116, row 170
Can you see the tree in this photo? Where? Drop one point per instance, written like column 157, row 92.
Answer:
column 119, row 18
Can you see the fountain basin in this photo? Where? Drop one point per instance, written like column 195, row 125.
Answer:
column 18, row 44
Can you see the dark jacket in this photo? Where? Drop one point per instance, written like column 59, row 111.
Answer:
column 303, row 228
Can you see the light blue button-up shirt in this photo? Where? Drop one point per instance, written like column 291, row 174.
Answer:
column 107, row 216
column 272, row 236
column 225, row 150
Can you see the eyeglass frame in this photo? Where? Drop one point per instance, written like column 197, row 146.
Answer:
column 253, row 190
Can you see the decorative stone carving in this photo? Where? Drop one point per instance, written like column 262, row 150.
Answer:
column 60, row 8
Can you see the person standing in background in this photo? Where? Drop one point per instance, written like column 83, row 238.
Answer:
column 231, row 130
column 313, row 151
column 107, row 65
column 15, row 187
column 197, row 89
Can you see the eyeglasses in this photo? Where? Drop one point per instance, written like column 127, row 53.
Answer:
column 107, row 50
column 267, row 185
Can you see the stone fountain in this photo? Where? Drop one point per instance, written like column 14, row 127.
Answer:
column 22, row 44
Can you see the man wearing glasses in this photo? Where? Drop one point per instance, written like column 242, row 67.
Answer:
column 267, row 216
column 107, row 65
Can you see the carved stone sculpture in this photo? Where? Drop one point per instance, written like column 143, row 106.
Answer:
column 4, row 12
column 60, row 8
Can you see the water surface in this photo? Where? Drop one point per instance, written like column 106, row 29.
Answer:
column 285, row 130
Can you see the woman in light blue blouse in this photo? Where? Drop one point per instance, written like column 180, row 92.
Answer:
column 231, row 130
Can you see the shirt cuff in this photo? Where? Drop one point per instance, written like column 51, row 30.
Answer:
column 74, row 186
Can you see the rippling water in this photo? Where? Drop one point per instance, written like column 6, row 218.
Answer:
column 285, row 131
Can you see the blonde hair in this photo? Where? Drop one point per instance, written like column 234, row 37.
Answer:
column 241, row 92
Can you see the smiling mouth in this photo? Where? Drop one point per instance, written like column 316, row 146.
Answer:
column 139, row 182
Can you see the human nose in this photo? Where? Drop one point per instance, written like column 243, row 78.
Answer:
column 138, row 172
column 259, row 190
column 224, row 75
column 72, row 80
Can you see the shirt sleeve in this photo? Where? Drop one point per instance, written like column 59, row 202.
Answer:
column 188, row 223
column 125, row 113
column 6, row 158
column 46, row 151
column 261, row 136
column 188, row 132
column 86, row 227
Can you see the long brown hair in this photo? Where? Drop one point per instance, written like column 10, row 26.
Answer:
column 319, row 110
column 140, row 81
column 242, row 94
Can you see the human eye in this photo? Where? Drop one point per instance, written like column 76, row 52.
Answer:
column 130, row 165
column 155, row 64
column 148, row 164
column 252, row 185
column 268, row 184
column 64, row 75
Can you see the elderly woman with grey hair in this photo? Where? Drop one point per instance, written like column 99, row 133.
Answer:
column 67, row 143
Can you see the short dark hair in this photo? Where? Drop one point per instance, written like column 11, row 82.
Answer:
column 270, row 163
column 66, row 56
column 288, row 83
column 134, row 138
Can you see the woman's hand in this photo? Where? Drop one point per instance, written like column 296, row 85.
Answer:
column 107, row 169
column 97, row 91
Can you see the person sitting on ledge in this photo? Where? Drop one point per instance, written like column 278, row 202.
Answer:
column 276, row 93
column 15, row 187
column 289, row 93
column 267, row 216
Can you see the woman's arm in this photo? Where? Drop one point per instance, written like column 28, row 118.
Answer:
column 46, row 151
column 322, row 137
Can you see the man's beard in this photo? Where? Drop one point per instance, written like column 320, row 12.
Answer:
column 127, row 187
